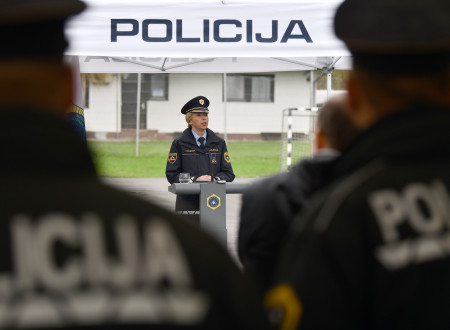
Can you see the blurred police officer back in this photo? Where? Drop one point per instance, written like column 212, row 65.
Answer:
column 269, row 206
column 74, row 251
column 374, row 251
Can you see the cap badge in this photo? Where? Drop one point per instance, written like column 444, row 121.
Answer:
column 201, row 101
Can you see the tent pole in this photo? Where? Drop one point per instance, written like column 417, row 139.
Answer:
column 329, row 84
column 138, row 112
column 118, row 103
column 225, row 96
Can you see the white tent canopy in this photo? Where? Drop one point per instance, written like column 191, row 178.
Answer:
column 206, row 36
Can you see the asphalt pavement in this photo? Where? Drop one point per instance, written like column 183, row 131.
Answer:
column 156, row 190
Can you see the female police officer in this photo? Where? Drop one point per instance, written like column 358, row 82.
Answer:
column 199, row 152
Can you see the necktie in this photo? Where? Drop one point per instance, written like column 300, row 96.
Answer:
column 201, row 139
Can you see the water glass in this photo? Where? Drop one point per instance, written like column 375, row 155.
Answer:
column 185, row 178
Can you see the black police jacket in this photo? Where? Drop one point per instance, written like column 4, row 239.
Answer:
column 76, row 252
column 372, row 251
column 268, row 209
column 186, row 156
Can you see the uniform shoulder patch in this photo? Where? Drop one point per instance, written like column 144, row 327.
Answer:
column 172, row 158
column 284, row 307
column 226, row 157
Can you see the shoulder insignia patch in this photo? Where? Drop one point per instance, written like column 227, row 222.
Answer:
column 227, row 158
column 172, row 158
column 284, row 307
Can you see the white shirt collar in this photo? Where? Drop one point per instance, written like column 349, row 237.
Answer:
column 196, row 136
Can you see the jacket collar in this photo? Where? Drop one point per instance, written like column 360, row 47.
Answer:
column 188, row 137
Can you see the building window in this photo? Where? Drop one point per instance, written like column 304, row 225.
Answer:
column 159, row 86
column 250, row 88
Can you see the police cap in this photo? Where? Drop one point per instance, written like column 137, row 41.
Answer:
column 197, row 104
column 35, row 28
column 397, row 37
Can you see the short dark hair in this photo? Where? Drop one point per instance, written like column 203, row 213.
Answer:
column 335, row 123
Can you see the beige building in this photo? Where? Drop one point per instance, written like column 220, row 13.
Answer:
column 253, row 109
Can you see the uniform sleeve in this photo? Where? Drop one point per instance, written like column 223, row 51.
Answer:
column 226, row 170
column 174, row 164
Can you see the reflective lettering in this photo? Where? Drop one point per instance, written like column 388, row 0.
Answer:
column 93, row 240
column 22, row 240
column 388, row 208
column 424, row 215
column 53, row 228
column 125, row 272
column 128, row 271
column 414, row 223
column 165, row 260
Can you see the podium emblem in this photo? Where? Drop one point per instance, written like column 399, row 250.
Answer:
column 213, row 202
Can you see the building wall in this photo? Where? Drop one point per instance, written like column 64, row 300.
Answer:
column 291, row 89
column 321, row 95
column 102, row 113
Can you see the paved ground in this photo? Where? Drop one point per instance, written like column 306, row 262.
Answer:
column 155, row 189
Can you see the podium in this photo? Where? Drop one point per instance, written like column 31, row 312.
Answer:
column 213, row 203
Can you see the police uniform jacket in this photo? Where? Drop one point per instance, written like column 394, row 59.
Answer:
column 186, row 156
column 372, row 252
column 268, row 210
column 78, row 252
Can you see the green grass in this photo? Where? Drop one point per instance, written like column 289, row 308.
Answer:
column 252, row 159
column 118, row 159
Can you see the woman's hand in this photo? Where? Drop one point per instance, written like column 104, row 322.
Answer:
column 204, row 178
